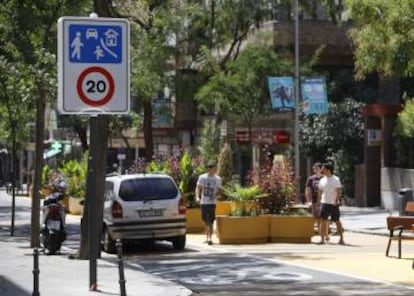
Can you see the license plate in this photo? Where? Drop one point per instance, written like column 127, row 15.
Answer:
column 150, row 213
column 53, row 224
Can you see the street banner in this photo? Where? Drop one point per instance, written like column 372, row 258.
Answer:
column 282, row 93
column 314, row 95
column 162, row 113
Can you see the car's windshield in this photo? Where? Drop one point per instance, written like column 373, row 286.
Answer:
column 141, row 189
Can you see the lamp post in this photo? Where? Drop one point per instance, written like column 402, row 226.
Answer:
column 297, row 110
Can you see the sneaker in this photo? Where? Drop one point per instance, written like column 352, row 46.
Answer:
column 210, row 243
column 320, row 243
column 341, row 242
column 327, row 238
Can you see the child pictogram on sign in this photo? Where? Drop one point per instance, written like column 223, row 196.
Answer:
column 99, row 53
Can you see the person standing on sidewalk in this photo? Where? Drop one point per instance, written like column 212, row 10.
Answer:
column 329, row 195
column 208, row 187
column 311, row 193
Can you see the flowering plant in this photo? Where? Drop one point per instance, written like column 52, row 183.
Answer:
column 276, row 182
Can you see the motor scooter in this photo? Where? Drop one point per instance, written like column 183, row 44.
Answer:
column 53, row 232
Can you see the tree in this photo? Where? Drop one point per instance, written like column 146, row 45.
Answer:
column 225, row 165
column 382, row 36
column 31, row 32
column 209, row 143
column 241, row 89
column 404, row 135
column 154, row 33
column 174, row 36
column 16, row 90
column 321, row 139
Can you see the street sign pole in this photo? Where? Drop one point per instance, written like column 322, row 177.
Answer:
column 297, row 106
column 98, row 136
column 93, row 231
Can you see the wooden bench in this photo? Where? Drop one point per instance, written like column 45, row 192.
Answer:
column 401, row 228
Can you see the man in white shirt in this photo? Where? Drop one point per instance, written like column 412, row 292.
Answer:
column 208, row 187
column 329, row 195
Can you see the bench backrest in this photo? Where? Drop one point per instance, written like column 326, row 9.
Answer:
column 409, row 207
column 405, row 221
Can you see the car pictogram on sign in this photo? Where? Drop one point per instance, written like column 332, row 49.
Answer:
column 91, row 33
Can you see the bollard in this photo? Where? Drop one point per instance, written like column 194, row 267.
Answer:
column 121, row 267
column 36, row 272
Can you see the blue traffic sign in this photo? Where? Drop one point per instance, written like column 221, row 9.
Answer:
column 98, row 44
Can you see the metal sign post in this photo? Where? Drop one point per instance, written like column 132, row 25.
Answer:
column 297, row 109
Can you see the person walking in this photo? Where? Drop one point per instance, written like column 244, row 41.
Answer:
column 207, row 189
column 311, row 193
column 329, row 195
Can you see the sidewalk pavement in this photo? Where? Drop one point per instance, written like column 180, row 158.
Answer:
column 365, row 220
column 68, row 277
column 16, row 278
column 363, row 256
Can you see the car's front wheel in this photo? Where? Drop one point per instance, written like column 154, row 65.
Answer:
column 179, row 242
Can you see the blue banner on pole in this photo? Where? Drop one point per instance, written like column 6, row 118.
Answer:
column 314, row 96
column 282, row 93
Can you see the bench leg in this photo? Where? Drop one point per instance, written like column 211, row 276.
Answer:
column 399, row 249
column 388, row 247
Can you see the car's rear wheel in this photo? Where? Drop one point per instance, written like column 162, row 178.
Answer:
column 179, row 242
column 108, row 244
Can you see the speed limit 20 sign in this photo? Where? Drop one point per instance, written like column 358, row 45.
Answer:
column 93, row 65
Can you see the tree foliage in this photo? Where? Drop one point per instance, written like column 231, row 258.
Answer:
column 337, row 137
column 225, row 165
column 341, row 128
column 16, row 104
column 383, row 36
column 405, row 121
column 209, row 142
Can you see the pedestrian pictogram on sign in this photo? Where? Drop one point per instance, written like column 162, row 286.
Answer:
column 93, row 56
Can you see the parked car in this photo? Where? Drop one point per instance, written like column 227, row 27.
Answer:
column 143, row 207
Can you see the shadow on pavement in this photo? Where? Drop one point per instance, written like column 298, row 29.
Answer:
column 8, row 288
column 235, row 274
column 152, row 248
column 21, row 232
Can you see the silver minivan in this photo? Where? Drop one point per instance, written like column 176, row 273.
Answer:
column 143, row 207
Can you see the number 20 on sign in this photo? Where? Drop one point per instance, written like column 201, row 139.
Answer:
column 93, row 57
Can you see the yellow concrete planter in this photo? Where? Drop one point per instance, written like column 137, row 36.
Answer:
column 194, row 222
column 242, row 230
column 223, row 208
column 291, row 229
column 75, row 207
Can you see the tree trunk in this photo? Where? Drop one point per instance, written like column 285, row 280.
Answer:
column 95, row 181
column 38, row 164
column 251, row 146
column 149, row 145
